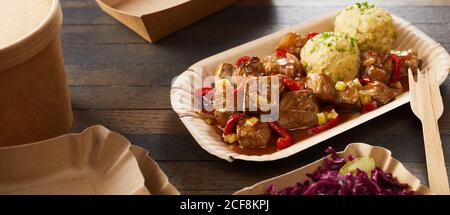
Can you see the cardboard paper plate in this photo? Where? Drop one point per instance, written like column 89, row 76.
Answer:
column 155, row 19
column 381, row 156
column 156, row 181
column 433, row 55
column 95, row 161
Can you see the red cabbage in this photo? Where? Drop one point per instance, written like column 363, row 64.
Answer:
column 326, row 181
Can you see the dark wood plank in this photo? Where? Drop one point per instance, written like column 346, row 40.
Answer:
column 264, row 14
column 183, row 147
column 123, row 74
column 163, row 53
column 117, row 97
column 135, row 121
column 229, row 32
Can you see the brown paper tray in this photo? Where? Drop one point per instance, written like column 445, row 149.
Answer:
column 381, row 156
column 95, row 161
column 433, row 55
column 155, row 19
column 156, row 181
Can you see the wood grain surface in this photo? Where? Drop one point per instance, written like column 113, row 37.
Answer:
column 122, row 82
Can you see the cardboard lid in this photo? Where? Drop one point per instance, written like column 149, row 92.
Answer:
column 26, row 27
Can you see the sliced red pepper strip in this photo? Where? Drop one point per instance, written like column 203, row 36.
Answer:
column 397, row 61
column 290, row 83
column 285, row 140
column 324, row 127
column 282, row 52
column 369, row 107
column 242, row 60
column 312, row 34
column 232, row 122
column 203, row 91
column 364, row 80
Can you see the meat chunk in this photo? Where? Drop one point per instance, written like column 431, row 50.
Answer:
column 222, row 117
column 321, row 85
column 377, row 66
column 261, row 94
column 348, row 99
column 409, row 61
column 293, row 42
column 289, row 66
column 225, row 70
column 379, row 92
column 254, row 67
column 298, row 109
column 253, row 136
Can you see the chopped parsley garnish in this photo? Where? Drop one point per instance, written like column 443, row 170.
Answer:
column 364, row 6
column 352, row 42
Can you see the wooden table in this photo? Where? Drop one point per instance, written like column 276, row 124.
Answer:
column 122, row 82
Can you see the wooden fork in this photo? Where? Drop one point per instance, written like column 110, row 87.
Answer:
column 426, row 103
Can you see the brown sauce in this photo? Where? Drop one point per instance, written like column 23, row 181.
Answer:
column 298, row 135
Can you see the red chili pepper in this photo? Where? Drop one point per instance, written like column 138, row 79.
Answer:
column 290, row 83
column 369, row 107
column 324, row 127
column 312, row 34
column 364, row 80
column 328, row 108
column 397, row 67
column 242, row 60
column 282, row 52
column 231, row 123
column 285, row 140
column 203, row 91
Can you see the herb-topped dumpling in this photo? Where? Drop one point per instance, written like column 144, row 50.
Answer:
column 371, row 26
column 335, row 54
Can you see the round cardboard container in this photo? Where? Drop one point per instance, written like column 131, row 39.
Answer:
column 34, row 96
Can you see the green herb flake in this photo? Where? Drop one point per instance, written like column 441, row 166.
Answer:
column 352, row 42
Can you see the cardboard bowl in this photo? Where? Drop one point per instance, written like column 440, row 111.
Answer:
column 95, row 161
column 156, row 19
column 381, row 156
column 433, row 55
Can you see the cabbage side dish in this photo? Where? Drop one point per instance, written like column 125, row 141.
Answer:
column 357, row 176
column 324, row 79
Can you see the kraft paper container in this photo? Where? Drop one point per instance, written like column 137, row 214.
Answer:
column 156, row 19
column 34, row 97
column 433, row 55
column 381, row 156
column 95, row 161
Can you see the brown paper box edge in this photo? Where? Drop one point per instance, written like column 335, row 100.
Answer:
column 157, row 25
column 381, row 156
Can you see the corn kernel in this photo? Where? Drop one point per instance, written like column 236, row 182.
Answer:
column 322, row 119
column 398, row 85
column 364, row 97
column 331, row 115
column 251, row 121
column 231, row 138
column 340, row 86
